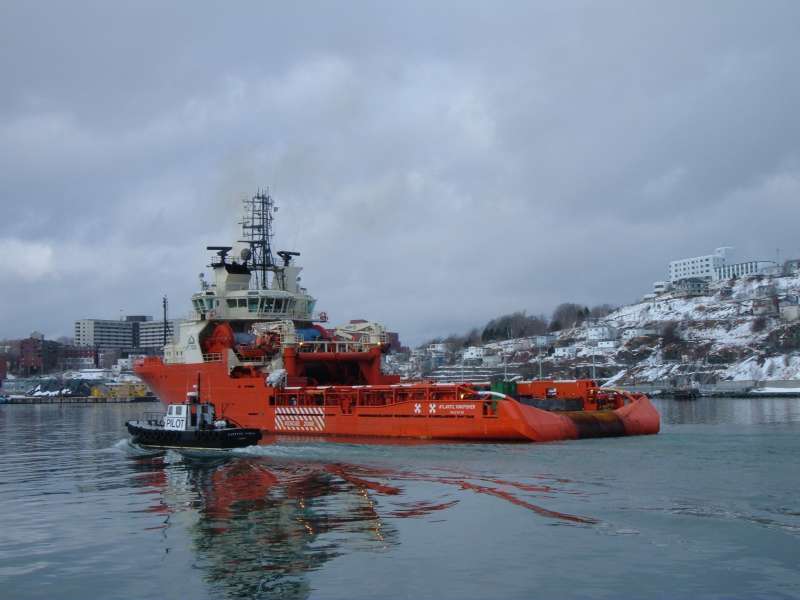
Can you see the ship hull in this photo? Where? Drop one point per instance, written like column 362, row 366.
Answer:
column 422, row 411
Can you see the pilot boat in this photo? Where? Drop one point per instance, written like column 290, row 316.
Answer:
column 190, row 426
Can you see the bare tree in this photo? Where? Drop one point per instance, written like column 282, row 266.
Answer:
column 566, row 315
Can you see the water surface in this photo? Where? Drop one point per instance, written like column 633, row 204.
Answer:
column 710, row 508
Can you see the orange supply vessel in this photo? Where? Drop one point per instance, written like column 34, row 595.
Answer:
column 267, row 360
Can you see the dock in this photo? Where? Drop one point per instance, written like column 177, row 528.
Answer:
column 76, row 400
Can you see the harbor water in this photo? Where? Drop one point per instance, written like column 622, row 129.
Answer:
column 709, row 508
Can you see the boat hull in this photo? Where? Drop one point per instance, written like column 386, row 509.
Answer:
column 422, row 411
column 216, row 439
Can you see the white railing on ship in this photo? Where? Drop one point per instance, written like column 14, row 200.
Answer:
column 336, row 346
column 212, row 357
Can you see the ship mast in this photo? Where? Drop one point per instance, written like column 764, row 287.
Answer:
column 257, row 234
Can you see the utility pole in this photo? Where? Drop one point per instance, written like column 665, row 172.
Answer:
column 164, row 305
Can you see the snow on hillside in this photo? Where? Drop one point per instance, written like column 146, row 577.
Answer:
column 732, row 332
column 724, row 301
column 728, row 333
column 786, row 366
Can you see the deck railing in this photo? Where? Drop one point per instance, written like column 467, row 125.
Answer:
column 337, row 346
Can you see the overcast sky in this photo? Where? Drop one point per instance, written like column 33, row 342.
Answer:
column 437, row 164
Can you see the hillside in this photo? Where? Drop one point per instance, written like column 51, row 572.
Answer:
column 735, row 330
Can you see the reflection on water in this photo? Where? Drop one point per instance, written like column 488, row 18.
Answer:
column 262, row 525
column 260, row 528
column 710, row 503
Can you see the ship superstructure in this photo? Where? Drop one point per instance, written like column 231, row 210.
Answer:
column 267, row 360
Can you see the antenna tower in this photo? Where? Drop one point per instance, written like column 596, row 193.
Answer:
column 257, row 234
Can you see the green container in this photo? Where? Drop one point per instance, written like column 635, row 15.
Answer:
column 509, row 388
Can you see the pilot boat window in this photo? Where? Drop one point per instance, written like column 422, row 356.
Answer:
column 231, row 303
column 252, row 304
column 268, row 304
column 242, row 302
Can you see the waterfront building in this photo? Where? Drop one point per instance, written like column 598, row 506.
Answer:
column 38, row 355
column 79, row 357
column 151, row 334
column 122, row 334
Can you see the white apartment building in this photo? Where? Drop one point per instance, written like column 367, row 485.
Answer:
column 134, row 331
column 151, row 333
column 701, row 267
column 753, row 267
column 104, row 333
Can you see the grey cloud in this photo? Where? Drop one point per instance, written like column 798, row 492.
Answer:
column 436, row 164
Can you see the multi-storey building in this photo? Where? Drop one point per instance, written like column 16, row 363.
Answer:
column 38, row 355
column 753, row 267
column 105, row 333
column 151, row 334
column 714, row 267
column 702, row 267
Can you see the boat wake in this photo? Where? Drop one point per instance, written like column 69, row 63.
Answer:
column 125, row 446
